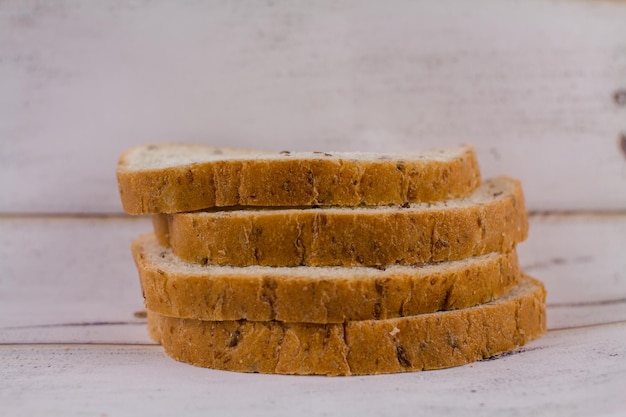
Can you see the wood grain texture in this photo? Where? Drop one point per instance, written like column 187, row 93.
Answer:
column 64, row 270
column 73, row 279
column 580, row 258
column 574, row 372
column 535, row 85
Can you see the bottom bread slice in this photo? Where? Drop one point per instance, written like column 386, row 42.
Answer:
column 415, row 343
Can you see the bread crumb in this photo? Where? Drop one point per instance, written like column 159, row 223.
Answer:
column 140, row 314
column 395, row 331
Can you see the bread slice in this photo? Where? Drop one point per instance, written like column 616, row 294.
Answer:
column 315, row 294
column 428, row 341
column 177, row 178
column 492, row 219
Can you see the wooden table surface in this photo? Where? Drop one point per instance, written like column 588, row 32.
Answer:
column 539, row 87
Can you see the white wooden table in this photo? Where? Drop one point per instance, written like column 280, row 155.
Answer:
column 539, row 87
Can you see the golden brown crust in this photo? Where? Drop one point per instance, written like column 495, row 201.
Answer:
column 161, row 227
column 428, row 341
column 352, row 237
column 317, row 295
column 320, row 180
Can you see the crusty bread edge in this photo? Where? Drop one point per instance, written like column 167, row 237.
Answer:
column 220, row 294
column 423, row 342
column 321, row 237
column 319, row 181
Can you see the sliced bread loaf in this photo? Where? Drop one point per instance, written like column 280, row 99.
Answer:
column 315, row 294
column 178, row 178
column 492, row 219
column 428, row 341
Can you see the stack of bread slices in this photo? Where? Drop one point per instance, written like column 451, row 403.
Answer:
column 329, row 263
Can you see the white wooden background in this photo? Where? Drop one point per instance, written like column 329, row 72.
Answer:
column 538, row 86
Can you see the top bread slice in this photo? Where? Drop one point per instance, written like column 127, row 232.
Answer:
column 156, row 179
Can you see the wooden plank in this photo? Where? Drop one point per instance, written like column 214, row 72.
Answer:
column 129, row 332
column 537, row 86
column 574, row 372
column 580, row 258
column 73, row 279
column 133, row 331
column 64, row 270
column 570, row 316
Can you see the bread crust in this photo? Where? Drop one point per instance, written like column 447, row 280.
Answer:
column 316, row 295
column 353, row 237
column 421, row 342
column 161, row 227
column 319, row 179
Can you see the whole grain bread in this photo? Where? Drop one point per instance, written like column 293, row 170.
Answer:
column 178, row 178
column 427, row 341
column 316, row 294
column 492, row 219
